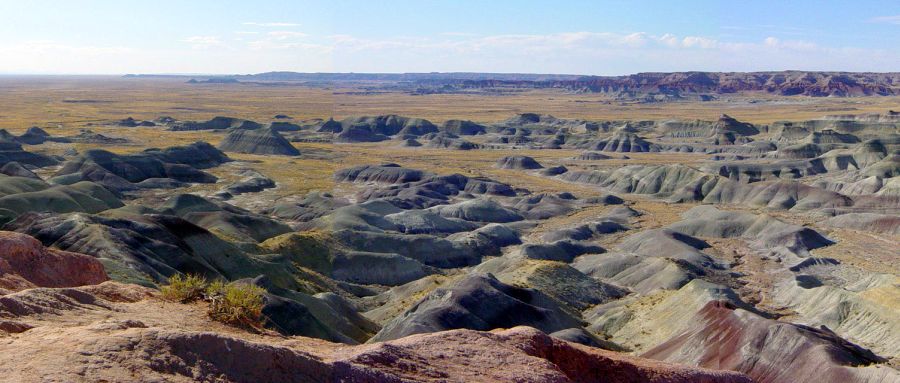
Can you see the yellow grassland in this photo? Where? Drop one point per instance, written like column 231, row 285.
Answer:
column 72, row 101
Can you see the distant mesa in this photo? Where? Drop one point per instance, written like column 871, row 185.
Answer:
column 11, row 150
column 165, row 120
column 87, row 136
column 648, row 87
column 410, row 143
column 829, row 136
column 622, row 142
column 257, row 141
column 518, row 162
column 554, row 171
column 330, row 126
column 251, row 182
column 463, row 127
column 592, row 156
column 451, row 141
column 284, row 126
column 787, row 83
column 379, row 128
column 728, row 138
column 214, row 80
column 33, row 136
column 216, row 123
column 727, row 123
column 131, row 123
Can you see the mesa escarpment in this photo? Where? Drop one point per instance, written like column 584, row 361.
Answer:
column 788, row 83
column 652, row 86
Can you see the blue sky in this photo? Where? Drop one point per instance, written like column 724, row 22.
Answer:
column 582, row 37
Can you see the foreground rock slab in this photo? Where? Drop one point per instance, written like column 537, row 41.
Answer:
column 126, row 351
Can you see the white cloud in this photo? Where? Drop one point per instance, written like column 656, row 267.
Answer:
column 296, row 47
column 799, row 45
column 699, row 42
column 886, row 19
column 578, row 52
column 283, row 35
column 582, row 41
column 283, row 40
column 635, row 39
column 599, row 53
column 669, row 40
column 270, row 25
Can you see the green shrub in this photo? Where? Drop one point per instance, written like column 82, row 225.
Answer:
column 184, row 289
column 215, row 288
column 236, row 304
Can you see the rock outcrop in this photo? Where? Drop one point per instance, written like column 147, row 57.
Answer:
column 622, row 142
column 11, row 151
column 117, row 350
column 25, row 263
column 257, row 141
column 460, row 306
column 151, row 168
column 518, row 162
column 770, row 351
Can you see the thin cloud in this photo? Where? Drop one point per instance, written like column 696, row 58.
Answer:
column 283, row 40
column 203, row 41
column 699, row 42
column 567, row 40
column 886, row 19
column 798, row 45
column 284, row 35
column 458, row 34
column 582, row 52
column 578, row 52
column 270, row 25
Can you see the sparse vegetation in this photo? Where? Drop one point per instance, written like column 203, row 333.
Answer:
column 184, row 288
column 216, row 287
column 237, row 304
column 311, row 249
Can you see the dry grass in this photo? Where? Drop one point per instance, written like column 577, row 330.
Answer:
column 184, row 289
column 868, row 251
column 313, row 170
column 76, row 101
column 65, row 104
column 237, row 304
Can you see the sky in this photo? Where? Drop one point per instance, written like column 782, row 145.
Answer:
column 503, row 36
